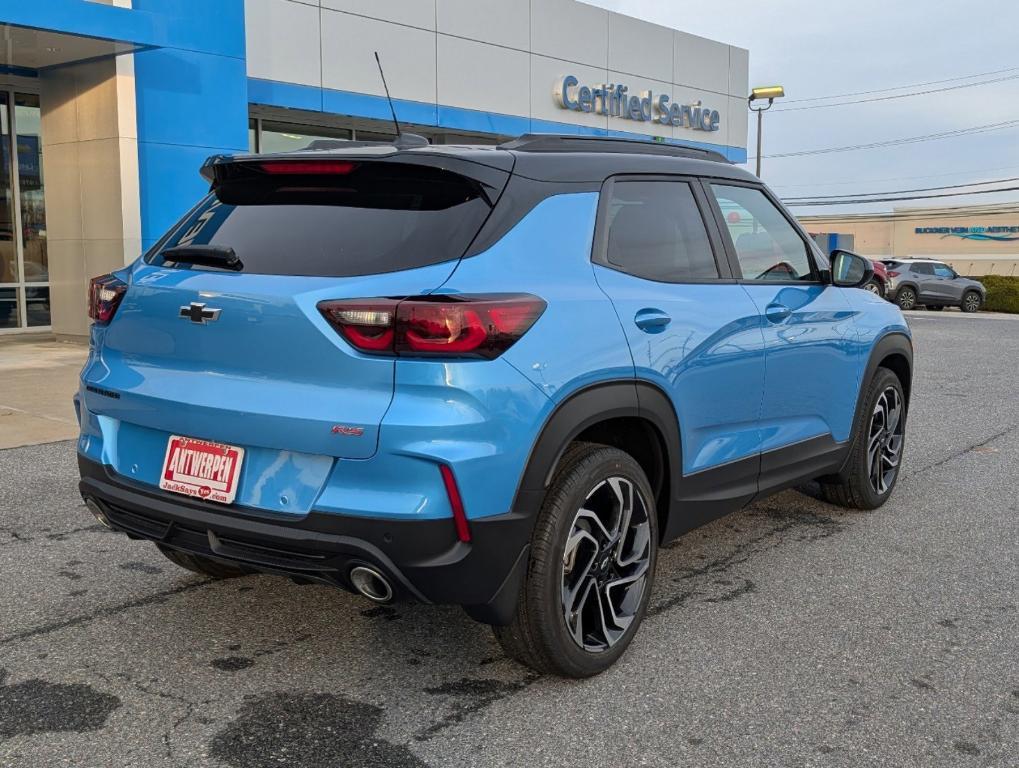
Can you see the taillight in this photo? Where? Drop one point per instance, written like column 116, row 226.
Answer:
column 893, row 274
column 435, row 326
column 366, row 323
column 104, row 295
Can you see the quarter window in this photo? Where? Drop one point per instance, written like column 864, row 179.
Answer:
column 767, row 246
column 656, row 231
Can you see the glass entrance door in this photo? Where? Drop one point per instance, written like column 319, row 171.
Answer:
column 24, row 263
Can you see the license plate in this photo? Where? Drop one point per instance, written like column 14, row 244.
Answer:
column 200, row 468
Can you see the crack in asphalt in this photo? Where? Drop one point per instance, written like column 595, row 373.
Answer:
column 472, row 695
column 17, row 537
column 677, row 591
column 104, row 613
column 958, row 454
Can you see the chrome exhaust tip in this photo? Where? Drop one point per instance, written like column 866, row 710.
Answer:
column 371, row 583
column 97, row 511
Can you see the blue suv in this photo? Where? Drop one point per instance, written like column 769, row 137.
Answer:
column 498, row 377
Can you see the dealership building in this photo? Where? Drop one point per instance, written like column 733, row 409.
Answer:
column 109, row 107
column 975, row 240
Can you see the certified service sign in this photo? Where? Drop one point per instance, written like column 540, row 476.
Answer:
column 612, row 99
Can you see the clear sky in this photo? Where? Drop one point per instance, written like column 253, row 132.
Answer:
column 828, row 47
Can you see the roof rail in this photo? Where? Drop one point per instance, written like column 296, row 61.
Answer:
column 550, row 142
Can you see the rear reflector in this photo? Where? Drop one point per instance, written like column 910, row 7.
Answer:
column 104, row 296
column 463, row 531
column 435, row 326
column 308, row 167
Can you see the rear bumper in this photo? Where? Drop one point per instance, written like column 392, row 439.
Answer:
column 423, row 559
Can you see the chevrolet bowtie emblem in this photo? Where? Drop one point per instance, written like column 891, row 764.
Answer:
column 197, row 313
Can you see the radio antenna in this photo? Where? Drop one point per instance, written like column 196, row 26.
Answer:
column 389, row 98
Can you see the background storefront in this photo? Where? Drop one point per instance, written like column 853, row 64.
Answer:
column 975, row 240
column 116, row 103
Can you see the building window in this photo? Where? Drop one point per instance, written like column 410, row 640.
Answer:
column 24, row 259
column 287, row 137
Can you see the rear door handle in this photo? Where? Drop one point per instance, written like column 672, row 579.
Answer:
column 651, row 320
column 776, row 312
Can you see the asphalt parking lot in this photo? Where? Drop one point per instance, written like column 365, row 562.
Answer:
column 792, row 633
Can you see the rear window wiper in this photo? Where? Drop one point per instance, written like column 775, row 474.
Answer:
column 221, row 256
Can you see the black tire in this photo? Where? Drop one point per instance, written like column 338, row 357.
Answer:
column 203, row 565
column 539, row 635
column 971, row 302
column 855, row 488
column 906, row 298
column 874, row 286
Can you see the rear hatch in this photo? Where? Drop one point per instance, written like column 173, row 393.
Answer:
column 218, row 336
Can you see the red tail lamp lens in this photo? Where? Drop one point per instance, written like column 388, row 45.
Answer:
column 308, row 167
column 893, row 274
column 104, row 296
column 463, row 531
column 440, row 326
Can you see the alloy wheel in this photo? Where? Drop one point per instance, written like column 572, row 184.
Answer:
column 971, row 302
column 907, row 300
column 873, row 288
column 605, row 564
column 884, row 446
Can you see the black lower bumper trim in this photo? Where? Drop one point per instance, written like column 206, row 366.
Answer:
column 423, row 559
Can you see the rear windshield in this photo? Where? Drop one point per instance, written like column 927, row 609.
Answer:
column 378, row 217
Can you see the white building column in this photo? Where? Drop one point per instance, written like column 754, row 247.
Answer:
column 90, row 167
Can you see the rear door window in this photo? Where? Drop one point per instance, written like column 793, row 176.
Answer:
column 656, row 231
column 923, row 269
column 378, row 217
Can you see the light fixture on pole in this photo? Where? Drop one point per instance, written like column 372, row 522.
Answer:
column 769, row 93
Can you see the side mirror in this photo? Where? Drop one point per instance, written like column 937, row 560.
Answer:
column 850, row 270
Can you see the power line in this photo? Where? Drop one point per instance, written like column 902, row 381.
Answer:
column 898, row 96
column 942, row 214
column 900, row 199
column 898, row 142
column 947, row 212
column 844, row 183
column 902, row 87
column 902, row 191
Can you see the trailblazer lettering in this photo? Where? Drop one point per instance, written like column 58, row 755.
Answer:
column 612, row 99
